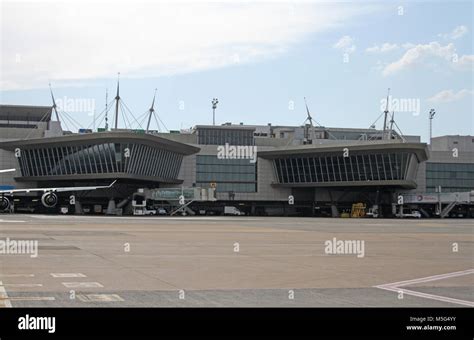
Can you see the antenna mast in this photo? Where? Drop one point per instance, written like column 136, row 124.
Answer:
column 306, row 130
column 152, row 110
column 214, row 102
column 307, row 112
column 392, row 120
column 117, row 99
column 310, row 119
column 54, row 103
column 385, row 115
column 431, row 116
column 106, row 109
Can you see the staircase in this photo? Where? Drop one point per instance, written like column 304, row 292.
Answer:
column 447, row 209
column 179, row 208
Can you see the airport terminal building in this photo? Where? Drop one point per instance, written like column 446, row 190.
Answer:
column 261, row 170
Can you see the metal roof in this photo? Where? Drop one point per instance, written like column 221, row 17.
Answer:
column 101, row 137
column 420, row 149
column 25, row 113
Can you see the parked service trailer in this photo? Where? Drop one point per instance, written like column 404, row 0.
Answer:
column 444, row 197
column 230, row 210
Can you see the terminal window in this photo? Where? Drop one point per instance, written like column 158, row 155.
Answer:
column 451, row 177
column 101, row 158
column 223, row 136
column 237, row 175
column 335, row 168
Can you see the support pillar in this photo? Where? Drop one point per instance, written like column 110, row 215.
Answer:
column 111, row 207
column 78, row 208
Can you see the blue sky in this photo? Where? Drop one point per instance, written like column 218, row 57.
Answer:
column 259, row 59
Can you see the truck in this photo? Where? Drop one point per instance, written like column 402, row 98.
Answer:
column 230, row 210
column 143, row 211
column 414, row 214
column 373, row 212
column 162, row 211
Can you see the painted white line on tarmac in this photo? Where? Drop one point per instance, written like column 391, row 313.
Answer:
column 67, row 275
column 32, row 298
column 82, row 285
column 429, row 278
column 11, row 221
column 219, row 256
column 17, row 275
column 150, row 218
column 23, row 284
column 100, row 298
column 4, row 300
column 428, row 296
column 395, row 287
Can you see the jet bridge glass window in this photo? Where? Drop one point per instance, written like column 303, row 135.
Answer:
column 336, row 168
column 110, row 158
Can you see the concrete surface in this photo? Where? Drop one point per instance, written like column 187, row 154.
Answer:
column 191, row 261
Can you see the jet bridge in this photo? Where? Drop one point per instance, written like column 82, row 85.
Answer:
column 465, row 197
column 444, row 201
column 188, row 194
column 178, row 198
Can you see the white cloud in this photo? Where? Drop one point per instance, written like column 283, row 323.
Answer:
column 379, row 66
column 447, row 96
column 457, row 33
column 385, row 47
column 73, row 42
column 346, row 44
column 428, row 54
column 373, row 49
column 465, row 62
column 408, row 45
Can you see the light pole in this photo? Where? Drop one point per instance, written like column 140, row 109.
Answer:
column 431, row 116
column 215, row 101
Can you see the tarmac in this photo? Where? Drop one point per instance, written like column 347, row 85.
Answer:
column 98, row 261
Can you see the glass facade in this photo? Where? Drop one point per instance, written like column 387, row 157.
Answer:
column 326, row 168
column 221, row 136
column 237, row 175
column 105, row 158
column 450, row 176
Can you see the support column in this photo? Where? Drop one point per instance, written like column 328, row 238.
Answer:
column 334, row 210
column 78, row 208
column 111, row 207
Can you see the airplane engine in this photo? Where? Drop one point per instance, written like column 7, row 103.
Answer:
column 49, row 199
column 5, row 203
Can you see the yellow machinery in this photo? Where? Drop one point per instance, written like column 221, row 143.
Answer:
column 345, row 215
column 358, row 210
